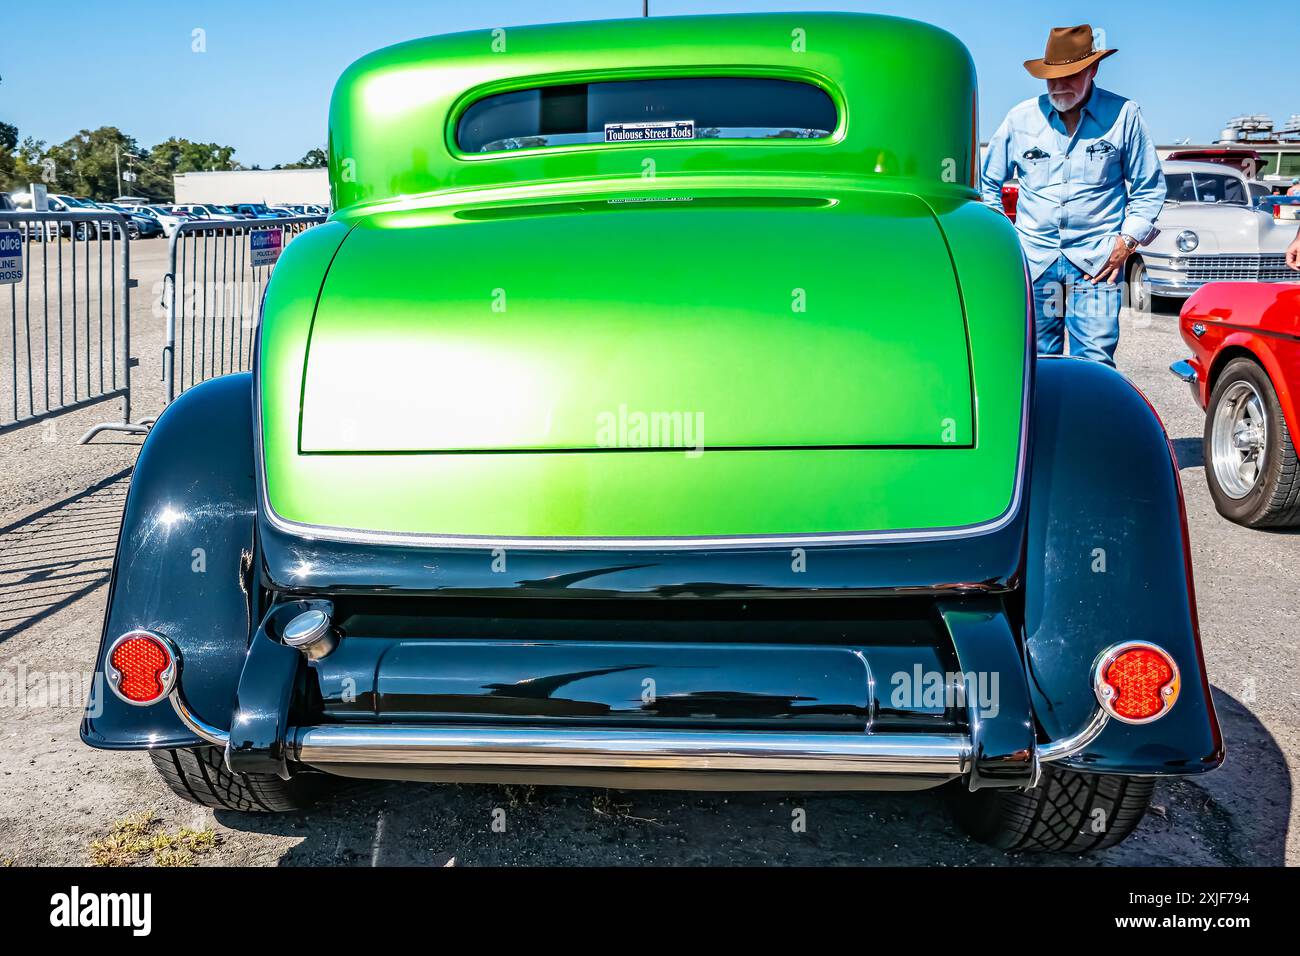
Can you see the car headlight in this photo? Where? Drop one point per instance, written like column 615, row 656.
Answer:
column 1187, row 241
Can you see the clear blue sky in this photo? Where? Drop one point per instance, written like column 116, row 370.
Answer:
column 264, row 83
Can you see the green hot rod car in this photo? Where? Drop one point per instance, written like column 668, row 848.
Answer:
column 658, row 409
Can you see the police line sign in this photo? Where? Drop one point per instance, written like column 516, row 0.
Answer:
column 264, row 245
column 11, row 256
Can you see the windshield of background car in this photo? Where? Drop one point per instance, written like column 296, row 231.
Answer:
column 1225, row 189
column 1206, row 187
column 660, row 110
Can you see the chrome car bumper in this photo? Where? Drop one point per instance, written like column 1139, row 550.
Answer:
column 1187, row 372
column 345, row 748
column 1180, row 276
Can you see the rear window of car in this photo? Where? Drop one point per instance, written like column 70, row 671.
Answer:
column 651, row 111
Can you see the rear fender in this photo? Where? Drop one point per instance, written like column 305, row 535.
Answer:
column 1108, row 561
column 184, row 564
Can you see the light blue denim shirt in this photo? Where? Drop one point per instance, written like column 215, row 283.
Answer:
column 1077, row 193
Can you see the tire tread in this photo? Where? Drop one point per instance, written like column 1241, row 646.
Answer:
column 200, row 776
column 1056, row 816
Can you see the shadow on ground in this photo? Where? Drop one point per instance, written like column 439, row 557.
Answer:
column 55, row 556
column 1190, row 452
column 1235, row 816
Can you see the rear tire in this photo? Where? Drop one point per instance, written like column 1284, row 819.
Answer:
column 1067, row 812
column 200, row 776
column 1273, row 498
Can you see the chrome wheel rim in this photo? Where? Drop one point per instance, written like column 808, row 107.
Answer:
column 1239, row 439
column 1140, row 292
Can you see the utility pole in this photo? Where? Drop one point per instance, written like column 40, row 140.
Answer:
column 117, row 155
column 645, row 8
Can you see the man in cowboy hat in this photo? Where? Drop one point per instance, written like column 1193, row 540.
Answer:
column 1091, row 188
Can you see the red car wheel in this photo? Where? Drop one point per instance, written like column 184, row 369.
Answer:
column 1250, row 458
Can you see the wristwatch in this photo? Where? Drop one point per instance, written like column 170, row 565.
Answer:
column 1129, row 241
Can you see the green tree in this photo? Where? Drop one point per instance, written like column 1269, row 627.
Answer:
column 8, row 161
column 8, row 143
column 178, row 155
column 314, row 159
column 27, row 163
column 86, row 164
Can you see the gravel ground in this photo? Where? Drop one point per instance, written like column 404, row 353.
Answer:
column 59, row 509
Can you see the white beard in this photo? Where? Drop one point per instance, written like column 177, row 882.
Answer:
column 1064, row 102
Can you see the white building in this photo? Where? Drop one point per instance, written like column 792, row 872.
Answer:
column 254, row 185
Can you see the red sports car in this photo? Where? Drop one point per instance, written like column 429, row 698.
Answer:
column 1245, row 373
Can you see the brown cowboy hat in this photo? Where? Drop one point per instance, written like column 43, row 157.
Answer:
column 1069, row 51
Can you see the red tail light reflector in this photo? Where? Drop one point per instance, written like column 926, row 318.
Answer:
column 1136, row 682
column 141, row 667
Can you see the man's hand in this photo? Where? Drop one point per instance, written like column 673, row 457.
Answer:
column 1293, row 253
column 1114, row 267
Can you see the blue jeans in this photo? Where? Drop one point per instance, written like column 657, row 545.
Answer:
column 1066, row 302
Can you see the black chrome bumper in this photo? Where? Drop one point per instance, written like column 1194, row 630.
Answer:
column 511, row 730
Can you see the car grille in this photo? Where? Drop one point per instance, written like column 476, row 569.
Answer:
column 1257, row 268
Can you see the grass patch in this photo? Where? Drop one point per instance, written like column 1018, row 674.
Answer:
column 608, row 806
column 139, row 838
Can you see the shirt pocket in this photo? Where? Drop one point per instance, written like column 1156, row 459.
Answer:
column 1036, row 173
column 1102, row 167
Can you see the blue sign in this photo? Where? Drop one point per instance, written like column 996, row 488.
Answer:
column 11, row 256
column 264, row 246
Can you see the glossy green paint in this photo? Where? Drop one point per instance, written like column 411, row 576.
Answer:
column 473, row 345
column 723, row 320
column 904, row 90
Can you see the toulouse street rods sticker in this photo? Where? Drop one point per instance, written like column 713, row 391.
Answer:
column 661, row 130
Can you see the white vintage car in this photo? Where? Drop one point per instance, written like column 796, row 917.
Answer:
column 1210, row 231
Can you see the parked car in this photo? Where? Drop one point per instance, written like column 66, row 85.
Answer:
column 1282, row 208
column 1210, row 230
column 168, row 219
column 79, row 229
column 878, row 568
column 209, row 211
column 1010, row 198
column 1244, row 371
column 302, row 209
column 256, row 210
column 139, row 224
column 1248, row 162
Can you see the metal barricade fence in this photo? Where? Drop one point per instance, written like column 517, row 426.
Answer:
column 67, row 342
column 217, row 274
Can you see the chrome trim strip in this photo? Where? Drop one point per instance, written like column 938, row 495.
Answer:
column 700, row 542
column 393, row 744
column 1184, row 370
column 213, row 735
column 1069, row 746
